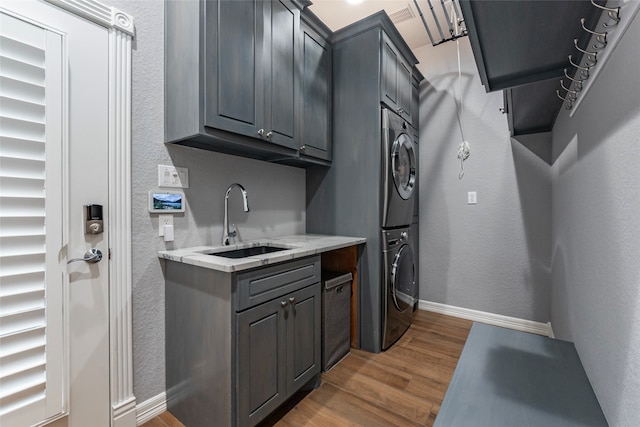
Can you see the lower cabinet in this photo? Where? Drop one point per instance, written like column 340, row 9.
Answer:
column 277, row 352
column 239, row 344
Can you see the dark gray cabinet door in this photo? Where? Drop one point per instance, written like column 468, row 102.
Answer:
column 282, row 21
column 315, row 127
column 389, row 76
column 251, row 68
column 303, row 337
column 261, row 361
column 395, row 80
column 234, row 35
column 278, row 351
column 404, row 90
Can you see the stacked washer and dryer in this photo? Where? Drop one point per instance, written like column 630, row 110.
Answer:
column 370, row 188
column 400, row 288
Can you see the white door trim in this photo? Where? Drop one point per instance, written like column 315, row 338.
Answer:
column 98, row 12
column 121, row 32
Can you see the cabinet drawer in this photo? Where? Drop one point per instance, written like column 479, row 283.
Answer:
column 258, row 286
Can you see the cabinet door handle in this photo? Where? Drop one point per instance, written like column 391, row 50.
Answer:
column 269, row 134
column 261, row 132
column 283, row 303
column 400, row 110
column 304, row 147
column 292, row 300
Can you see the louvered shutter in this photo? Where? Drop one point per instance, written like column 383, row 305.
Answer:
column 31, row 339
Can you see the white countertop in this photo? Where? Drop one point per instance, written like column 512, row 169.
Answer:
column 296, row 247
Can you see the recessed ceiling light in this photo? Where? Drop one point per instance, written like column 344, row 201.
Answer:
column 354, row 1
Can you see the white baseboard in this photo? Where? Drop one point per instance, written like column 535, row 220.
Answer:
column 489, row 318
column 151, row 408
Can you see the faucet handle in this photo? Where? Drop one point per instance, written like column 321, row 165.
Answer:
column 232, row 230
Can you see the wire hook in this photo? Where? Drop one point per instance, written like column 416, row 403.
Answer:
column 591, row 56
column 577, row 82
column 575, row 92
column 612, row 12
column 600, row 37
column 583, row 70
column 568, row 101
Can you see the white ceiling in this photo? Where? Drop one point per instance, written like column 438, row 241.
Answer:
column 338, row 14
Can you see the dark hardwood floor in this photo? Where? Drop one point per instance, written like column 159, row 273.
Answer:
column 403, row 386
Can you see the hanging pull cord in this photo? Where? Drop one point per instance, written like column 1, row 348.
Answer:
column 463, row 148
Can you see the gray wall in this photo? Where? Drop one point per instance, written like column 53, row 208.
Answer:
column 493, row 256
column 596, row 232
column 276, row 196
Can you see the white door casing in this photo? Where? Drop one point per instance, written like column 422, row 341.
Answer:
column 97, row 137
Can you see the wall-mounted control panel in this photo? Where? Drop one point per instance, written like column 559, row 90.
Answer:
column 93, row 221
column 163, row 201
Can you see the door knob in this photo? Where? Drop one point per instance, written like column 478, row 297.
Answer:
column 292, row 300
column 269, row 134
column 261, row 132
column 283, row 303
column 91, row 256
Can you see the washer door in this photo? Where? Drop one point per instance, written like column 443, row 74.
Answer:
column 403, row 284
column 403, row 165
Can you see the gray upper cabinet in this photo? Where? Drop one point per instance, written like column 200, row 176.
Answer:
column 395, row 80
column 250, row 68
column 234, row 37
column 232, row 76
column 315, row 116
column 282, row 74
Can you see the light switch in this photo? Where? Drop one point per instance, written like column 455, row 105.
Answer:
column 472, row 198
column 171, row 176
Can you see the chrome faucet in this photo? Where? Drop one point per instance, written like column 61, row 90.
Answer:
column 245, row 202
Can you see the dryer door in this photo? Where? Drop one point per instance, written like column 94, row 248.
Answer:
column 403, row 165
column 403, row 284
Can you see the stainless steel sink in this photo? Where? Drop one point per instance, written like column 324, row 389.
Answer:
column 247, row 252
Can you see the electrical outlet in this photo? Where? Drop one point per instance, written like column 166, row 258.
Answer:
column 164, row 219
column 472, row 198
column 171, row 176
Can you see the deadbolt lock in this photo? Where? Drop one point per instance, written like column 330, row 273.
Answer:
column 93, row 219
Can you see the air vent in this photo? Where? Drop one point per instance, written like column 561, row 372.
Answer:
column 402, row 15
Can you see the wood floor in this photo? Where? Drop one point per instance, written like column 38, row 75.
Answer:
column 403, row 386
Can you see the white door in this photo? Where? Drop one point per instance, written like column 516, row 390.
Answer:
column 54, row 160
